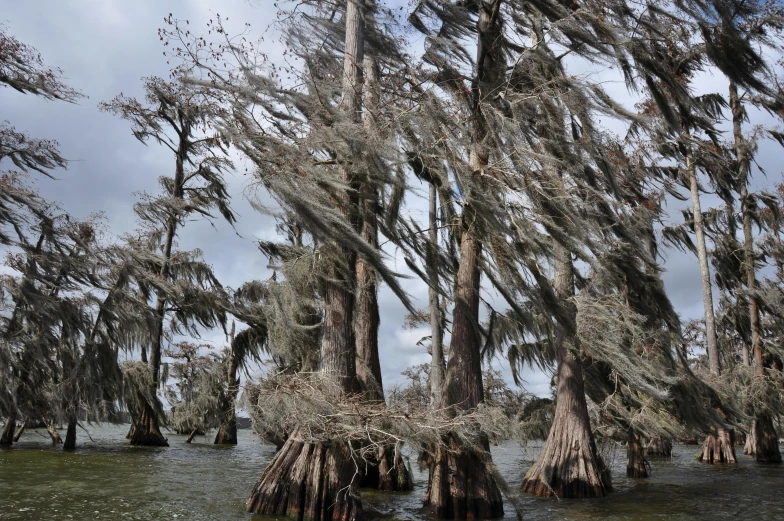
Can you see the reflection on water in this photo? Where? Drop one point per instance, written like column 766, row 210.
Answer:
column 107, row 479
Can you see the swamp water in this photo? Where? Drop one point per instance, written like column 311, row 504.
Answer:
column 107, row 479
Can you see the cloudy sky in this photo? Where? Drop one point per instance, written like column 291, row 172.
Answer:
column 105, row 47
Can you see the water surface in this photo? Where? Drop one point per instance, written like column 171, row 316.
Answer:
column 106, row 479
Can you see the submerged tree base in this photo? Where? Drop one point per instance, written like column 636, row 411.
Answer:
column 659, row 446
column 766, row 440
column 70, row 436
column 719, row 449
column 227, row 433
column 635, row 457
column 462, row 483
column 146, row 431
column 388, row 471
column 309, row 481
column 8, row 432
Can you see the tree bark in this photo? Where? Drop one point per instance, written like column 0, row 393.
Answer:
column 570, row 465
column 309, row 482
column 20, row 432
column 146, row 431
column 715, row 449
column 766, row 440
column 635, row 457
column 192, row 435
column 462, row 482
column 227, row 431
column 766, row 444
column 70, row 434
column 719, row 449
column 56, row 439
column 705, row 276
column 8, row 431
column 437, row 367
column 318, row 481
column 660, row 446
column 750, row 447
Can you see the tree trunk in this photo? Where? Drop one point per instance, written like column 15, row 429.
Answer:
column 227, row 431
column 437, row 368
column 719, row 449
column 146, row 431
column 8, row 432
column 56, row 439
column 702, row 254
column 660, row 446
column 462, row 483
column 192, row 435
column 70, row 434
column 766, row 440
column 318, row 481
column 715, row 449
column 20, row 432
column 750, row 447
column 570, row 465
column 366, row 317
column 309, row 481
column 387, row 471
column 635, row 457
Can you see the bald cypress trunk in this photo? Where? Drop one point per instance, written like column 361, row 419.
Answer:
column 8, row 431
column 660, row 446
column 719, row 448
column 766, row 440
column 635, row 457
column 766, row 445
column 569, row 465
column 227, row 431
column 309, row 480
column 146, row 431
column 53, row 434
column 20, row 431
column 385, row 470
column 715, row 449
column 462, row 482
column 70, row 434
column 437, row 368
column 750, row 447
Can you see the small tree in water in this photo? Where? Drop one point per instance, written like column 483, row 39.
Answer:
column 177, row 117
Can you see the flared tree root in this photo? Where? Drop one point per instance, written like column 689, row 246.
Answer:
column 767, row 442
column 146, row 432
column 635, row 457
column 387, row 471
column 570, row 465
column 309, row 481
column 463, row 483
column 719, row 449
column 659, row 446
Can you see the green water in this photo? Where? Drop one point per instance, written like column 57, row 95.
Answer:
column 108, row 480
